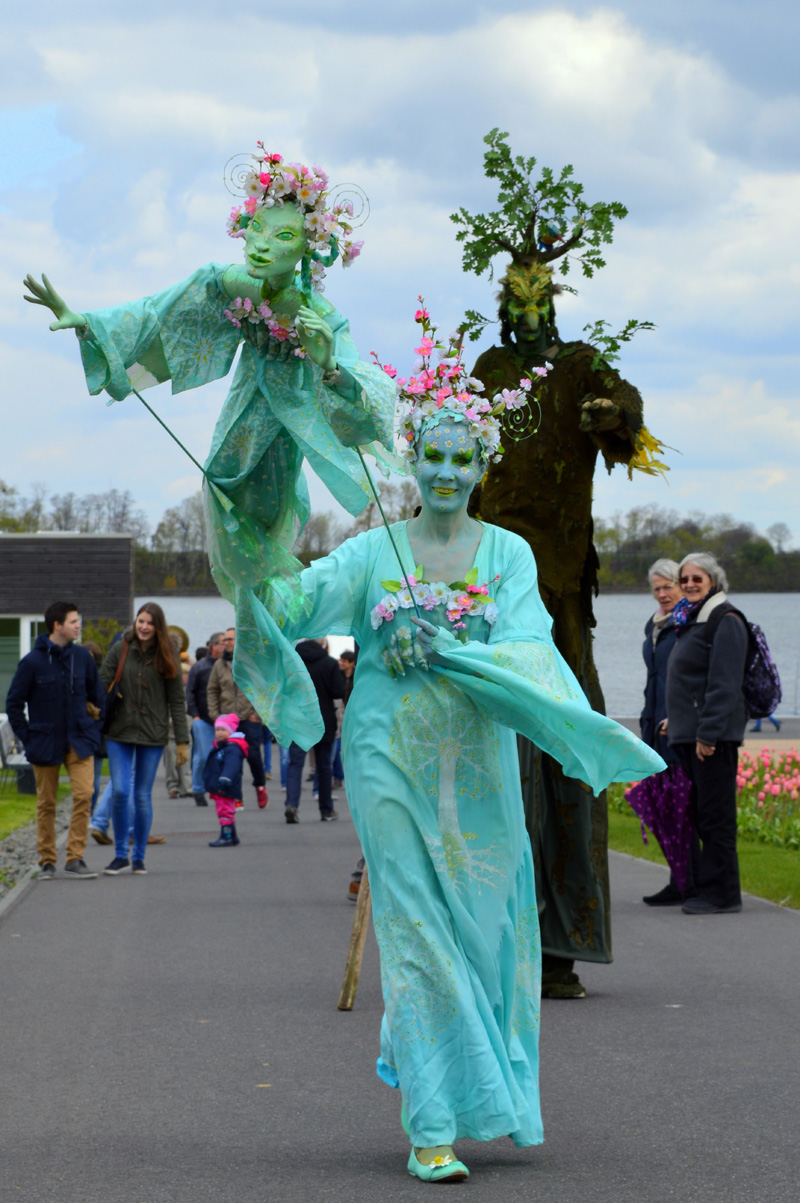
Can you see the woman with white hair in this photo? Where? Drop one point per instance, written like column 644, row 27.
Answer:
column 706, row 719
column 659, row 639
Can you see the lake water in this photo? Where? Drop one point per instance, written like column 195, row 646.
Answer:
column 618, row 638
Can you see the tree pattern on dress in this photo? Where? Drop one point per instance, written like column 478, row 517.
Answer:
column 419, row 987
column 448, row 747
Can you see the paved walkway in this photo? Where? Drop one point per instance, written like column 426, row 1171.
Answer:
column 176, row 1038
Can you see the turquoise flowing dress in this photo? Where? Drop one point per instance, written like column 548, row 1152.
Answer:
column 434, row 789
column 278, row 412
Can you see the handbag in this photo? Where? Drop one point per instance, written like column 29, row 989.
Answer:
column 113, row 694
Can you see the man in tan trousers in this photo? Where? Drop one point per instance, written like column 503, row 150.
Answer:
column 59, row 683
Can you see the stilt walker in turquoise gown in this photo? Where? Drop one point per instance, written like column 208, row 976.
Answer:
column 433, row 775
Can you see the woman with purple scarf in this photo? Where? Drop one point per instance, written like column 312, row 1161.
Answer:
column 706, row 719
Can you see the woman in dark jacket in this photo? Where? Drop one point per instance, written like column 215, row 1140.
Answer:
column 659, row 640
column 151, row 688
column 706, row 718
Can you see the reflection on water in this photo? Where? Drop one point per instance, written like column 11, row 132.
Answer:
column 618, row 638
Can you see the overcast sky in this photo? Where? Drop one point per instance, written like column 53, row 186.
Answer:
column 116, row 125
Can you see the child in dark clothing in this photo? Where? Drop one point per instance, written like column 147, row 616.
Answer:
column 223, row 776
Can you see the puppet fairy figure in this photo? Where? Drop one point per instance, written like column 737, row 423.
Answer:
column 300, row 392
column 433, row 776
column 542, row 491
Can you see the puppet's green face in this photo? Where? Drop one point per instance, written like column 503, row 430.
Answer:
column 274, row 243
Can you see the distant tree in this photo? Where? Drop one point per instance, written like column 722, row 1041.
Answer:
column 779, row 534
column 399, row 499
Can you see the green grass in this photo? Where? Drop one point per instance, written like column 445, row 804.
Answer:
column 767, row 872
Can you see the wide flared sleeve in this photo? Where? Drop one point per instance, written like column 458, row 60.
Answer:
column 180, row 334
column 266, row 666
column 523, row 682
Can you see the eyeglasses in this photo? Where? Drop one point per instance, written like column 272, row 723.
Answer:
column 695, row 580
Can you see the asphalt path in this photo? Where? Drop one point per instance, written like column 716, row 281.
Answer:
column 175, row 1038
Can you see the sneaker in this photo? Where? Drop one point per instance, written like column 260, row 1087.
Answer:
column 336, row 783
column 100, row 837
column 353, row 889
column 327, row 816
column 268, row 776
column 47, row 872
column 117, row 865
column 291, row 814
column 263, row 797
column 239, row 804
column 78, row 868
column 138, row 867
column 156, row 839
column 173, row 793
column 201, row 799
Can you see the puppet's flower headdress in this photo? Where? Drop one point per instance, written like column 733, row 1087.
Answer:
column 264, row 180
column 443, row 389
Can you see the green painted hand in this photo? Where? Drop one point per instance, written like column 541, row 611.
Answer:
column 317, row 338
column 45, row 294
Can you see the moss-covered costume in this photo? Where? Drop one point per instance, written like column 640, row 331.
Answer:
column 542, row 490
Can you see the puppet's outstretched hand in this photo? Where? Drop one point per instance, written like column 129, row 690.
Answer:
column 45, row 294
column 317, row 338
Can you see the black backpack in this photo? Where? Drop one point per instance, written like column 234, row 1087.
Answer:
column 762, row 684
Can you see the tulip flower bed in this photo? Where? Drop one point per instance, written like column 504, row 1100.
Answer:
column 768, row 806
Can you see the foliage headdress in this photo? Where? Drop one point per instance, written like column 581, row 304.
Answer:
column 537, row 222
column 265, row 181
column 442, row 389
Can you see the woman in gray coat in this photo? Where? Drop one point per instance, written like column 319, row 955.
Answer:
column 706, row 718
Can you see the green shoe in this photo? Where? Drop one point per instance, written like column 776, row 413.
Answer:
column 444, row 1168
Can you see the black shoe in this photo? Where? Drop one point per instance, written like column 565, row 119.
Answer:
column 704, row 906
column 327, row 816
column 138, row 867
column 47, row 872
column 78, row 868
column 117, row 865
column 669, row 896
column 201, row 799
column 291, row 814
column 234, row 837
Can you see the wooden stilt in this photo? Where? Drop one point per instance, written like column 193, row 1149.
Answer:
column 356, row 951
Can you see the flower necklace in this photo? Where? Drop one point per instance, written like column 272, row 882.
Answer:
column 461, row 599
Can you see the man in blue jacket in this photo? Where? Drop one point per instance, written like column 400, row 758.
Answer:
column 60, row 683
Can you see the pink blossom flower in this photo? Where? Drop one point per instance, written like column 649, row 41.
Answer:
column 250, row 205
column 421, row 315
column 425, row 347
column 443, row 393
column 539, row 372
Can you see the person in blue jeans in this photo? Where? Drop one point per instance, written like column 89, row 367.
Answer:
column 329, row 684
column 197, row 706
column 151, row 689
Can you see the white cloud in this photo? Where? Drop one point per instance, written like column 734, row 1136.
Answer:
column 159, row 104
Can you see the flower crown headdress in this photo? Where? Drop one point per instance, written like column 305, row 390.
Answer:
column 444, row 389
column 265, row 181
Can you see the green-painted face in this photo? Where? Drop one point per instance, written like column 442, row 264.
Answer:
column 274, row 243
column 447, row 468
